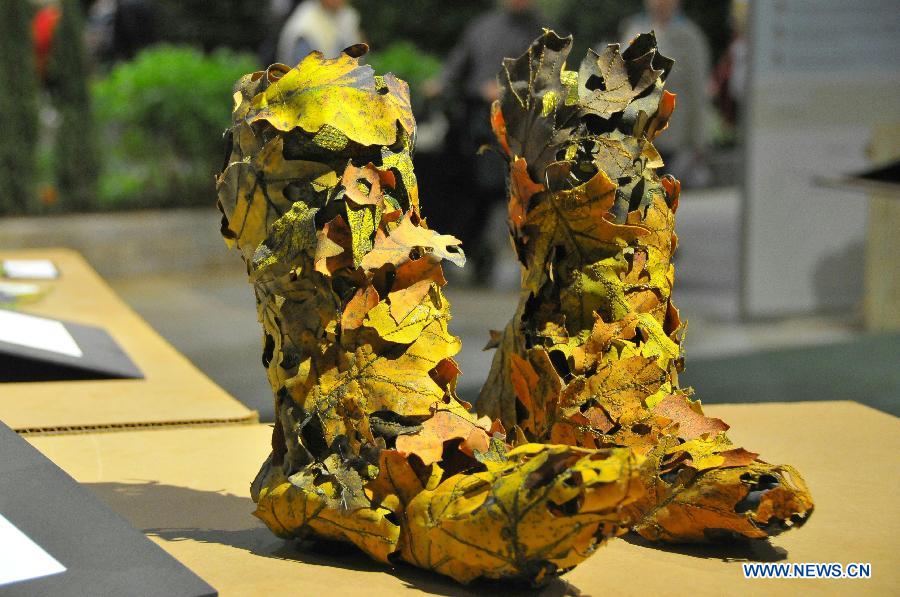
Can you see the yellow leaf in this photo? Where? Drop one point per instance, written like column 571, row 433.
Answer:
column 339, row 93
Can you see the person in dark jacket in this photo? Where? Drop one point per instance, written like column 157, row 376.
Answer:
column 469, row 83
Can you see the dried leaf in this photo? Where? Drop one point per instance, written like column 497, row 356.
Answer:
column 358, row 307
column 545, row 505
column 366, row 177
column 597, row 250
column 339, row 93
column 396, row 248
column 608, row 82
column 692, row 423
column 428, row 444
column 521, row 188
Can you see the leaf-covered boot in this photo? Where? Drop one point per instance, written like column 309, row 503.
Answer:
column 592, row 355
column 370, row 444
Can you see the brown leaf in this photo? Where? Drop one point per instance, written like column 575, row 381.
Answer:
column 405, row 300
column 337, row 233
column 367, row 177
column 416, row 270
column 521, row 188
column 692, row 423
column 737, row 457
column 325, row 249
column 428, row 444
column 445, row 373
column 602, row 336
column 362, row 302
column 395, row 477
column 496, row 336
column 395, row 248
column 537, row 387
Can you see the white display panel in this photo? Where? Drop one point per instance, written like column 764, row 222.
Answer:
column 823, row 76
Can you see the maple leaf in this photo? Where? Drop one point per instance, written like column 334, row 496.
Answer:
column 340, row 93
column 532, row 106
column 692, row 423
column 537, row 387
column 397, row 247
column 443, row 426
column 549, row 504
column 307, row 501
column 756, row 500
column 577, row 220
column 251, row 193
column 608, row 82
column 358, row 307
column 363, row 185
column 407, row 329
column 334, row 245
column 597, row 246
column 521, row 188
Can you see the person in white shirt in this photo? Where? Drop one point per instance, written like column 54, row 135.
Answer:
column 686, row 139
column 328, row 26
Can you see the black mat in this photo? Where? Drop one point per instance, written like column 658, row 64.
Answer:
column 103, row 358
column 102, row 553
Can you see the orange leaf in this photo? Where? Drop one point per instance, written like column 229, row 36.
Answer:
column 423, row 268
column 737, row 457
column 521, row 188
column 405, row 300
column 691, row 424
column 661, row 119
column 362, row 302
column 537, row 387
column 498, row 124
column 367, row 175
column 672, row 187
column 395, row 477
column 395, row 248
column 428, row 444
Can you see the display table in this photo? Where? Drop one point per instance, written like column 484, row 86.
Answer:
column 188, row 490
column 173, row 391
column 66, row 543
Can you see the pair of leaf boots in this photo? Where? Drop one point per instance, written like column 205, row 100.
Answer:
column 581, row 432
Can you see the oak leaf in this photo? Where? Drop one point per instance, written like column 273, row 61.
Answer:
column 338, row 92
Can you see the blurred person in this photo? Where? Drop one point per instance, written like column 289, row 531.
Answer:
column 276, row 12
column 469, row 82
column 119, row 29
column 729, row 80
column 43, row 27
column 684, row 145
column 328, row 26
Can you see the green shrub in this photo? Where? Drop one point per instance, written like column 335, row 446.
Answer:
column 406, row 61
column 161, row 118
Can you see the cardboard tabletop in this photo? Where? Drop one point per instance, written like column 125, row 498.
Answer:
column 93, row 550
column 173, row 391
column 188, row 490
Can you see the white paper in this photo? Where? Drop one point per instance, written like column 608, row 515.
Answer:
column 32, row 269
column 18, row 289
column 21, row 558
column 37, row 332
